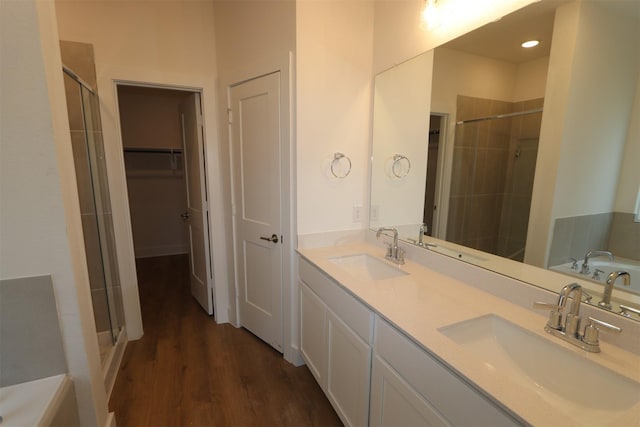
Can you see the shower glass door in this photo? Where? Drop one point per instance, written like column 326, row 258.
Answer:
column 95, row 207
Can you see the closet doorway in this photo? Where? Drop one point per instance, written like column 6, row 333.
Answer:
column 163, row 143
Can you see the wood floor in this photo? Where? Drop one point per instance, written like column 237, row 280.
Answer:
column 188, row 371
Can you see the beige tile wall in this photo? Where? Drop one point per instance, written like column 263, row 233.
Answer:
column 491, row 186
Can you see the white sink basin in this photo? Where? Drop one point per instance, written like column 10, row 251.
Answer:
column 367, row 267
column 585, row 390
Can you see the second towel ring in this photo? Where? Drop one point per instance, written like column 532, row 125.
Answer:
column 397, row 163
column 335, row 163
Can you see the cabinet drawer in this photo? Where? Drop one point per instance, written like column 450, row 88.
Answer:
column 457, row 401
column 342, row 303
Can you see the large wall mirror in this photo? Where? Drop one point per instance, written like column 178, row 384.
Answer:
column 500, row 155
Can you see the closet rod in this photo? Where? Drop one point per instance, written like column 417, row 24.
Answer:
column 153, row 150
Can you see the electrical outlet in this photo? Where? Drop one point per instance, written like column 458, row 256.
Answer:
column 375, row 213
column 357, row 213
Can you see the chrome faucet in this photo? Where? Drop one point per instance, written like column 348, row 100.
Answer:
column 572, row 319
column 569, row 329
column 608, row 287
column 394, row 252
column 592, row 254
column 421, row 233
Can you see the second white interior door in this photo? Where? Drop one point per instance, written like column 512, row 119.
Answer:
column 255, row 146
column 197, row 205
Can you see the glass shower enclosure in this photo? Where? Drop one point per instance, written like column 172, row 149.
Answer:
column 95, row 209
column 493, row 169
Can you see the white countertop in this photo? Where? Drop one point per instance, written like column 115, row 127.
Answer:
column 423, row 301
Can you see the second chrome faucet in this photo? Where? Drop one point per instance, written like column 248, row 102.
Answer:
column 394, row 252
column 592, row 254
column 568, row 328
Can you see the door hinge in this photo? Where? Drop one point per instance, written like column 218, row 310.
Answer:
column 230, row 115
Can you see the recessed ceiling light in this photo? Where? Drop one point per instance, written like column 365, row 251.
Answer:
column 530, row 43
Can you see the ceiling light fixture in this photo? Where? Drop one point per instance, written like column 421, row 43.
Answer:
column 530, row 44
column 430, row 14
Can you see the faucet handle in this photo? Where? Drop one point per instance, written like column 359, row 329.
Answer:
column 596, row 274
column 574, row 263
column 626, row 310
column 555, row 316
column 542, row 305
column 592, row 329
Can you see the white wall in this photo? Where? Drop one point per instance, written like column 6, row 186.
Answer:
column 597, row 116
column 531, row 80
column 150, row 118
column 402, row 103
column 161, row 43
column 254, row 38
column 629, row 181
column 40, row 226
column 459, row 73
column 334, row 81
column 586, row 118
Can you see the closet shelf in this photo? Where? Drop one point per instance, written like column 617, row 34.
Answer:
column 153, row 150
column 155, row 174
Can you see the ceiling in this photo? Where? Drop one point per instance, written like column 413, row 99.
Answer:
column 501, row 39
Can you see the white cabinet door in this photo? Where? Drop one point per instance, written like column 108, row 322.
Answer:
column 313, row 343
column 348, row 373
column 456, row 401
column 395, row 403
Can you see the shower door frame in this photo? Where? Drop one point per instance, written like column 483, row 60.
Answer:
column 108, row 256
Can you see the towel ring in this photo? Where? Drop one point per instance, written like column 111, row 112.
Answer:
column 397, row 159
column 337, row 157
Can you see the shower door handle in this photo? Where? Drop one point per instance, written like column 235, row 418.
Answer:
column 185, row 216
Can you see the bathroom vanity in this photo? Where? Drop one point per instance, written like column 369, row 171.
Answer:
column 407, row 345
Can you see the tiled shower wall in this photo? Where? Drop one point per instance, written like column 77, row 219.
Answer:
column 573, row 237
column 521, row 169
column 492, row 175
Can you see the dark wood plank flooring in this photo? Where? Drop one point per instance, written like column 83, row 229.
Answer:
column 189, row 371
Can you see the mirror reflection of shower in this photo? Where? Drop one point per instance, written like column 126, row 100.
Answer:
column 95, row 209
column 494, row 160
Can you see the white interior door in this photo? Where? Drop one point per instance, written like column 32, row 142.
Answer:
column 255, row 147
column 197, row 205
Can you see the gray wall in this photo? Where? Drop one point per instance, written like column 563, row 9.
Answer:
column 30, row 345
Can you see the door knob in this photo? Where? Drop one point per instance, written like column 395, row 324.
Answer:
column 273, row 238
column 185, row 216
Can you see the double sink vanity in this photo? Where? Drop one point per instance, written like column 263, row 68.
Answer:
column 526, row 163
column 409, row 344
